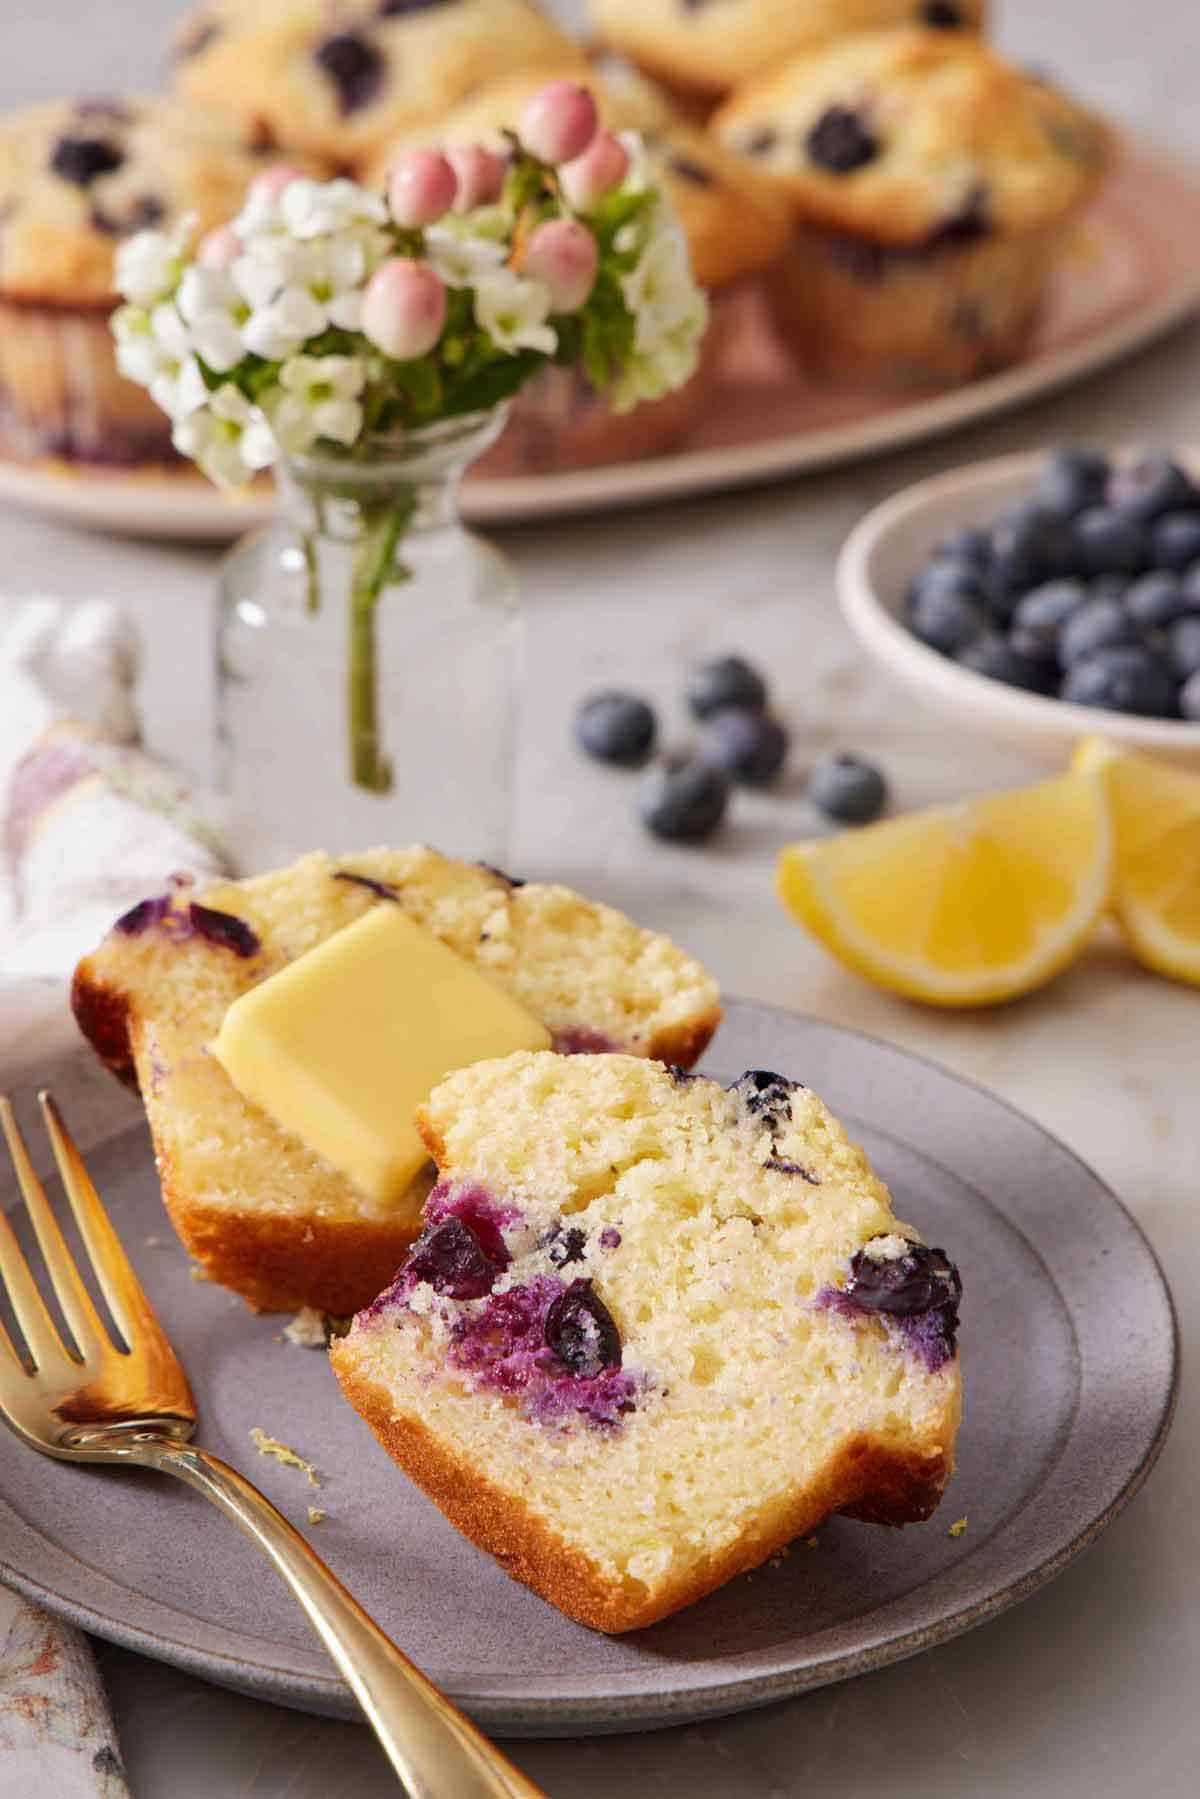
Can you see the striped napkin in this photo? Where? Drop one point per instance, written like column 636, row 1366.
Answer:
column 88, row 825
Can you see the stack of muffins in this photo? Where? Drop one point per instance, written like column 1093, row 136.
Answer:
column 898, row 192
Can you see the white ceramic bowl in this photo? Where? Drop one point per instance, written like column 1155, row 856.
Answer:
column 880, row 558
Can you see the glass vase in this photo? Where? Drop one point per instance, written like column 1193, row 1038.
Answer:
column 368, row 660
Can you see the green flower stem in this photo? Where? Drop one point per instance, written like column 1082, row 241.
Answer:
column 375, row 565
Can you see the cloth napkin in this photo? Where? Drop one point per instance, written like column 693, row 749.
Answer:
column 89, row 824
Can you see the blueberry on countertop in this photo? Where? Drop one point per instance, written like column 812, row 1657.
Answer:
column 1098, row 625
column 727, row 681
column 846, row 789
column 616, row 727
column 1183, row 646
column 1110, row 542
column 1155, row 601
column 684, row 799
column 1122, row 680
column 1145, row 489
column 1072, row 480
column 749, row 746
column 1003, row 662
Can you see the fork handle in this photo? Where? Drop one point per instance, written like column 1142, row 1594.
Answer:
column 436, row 1751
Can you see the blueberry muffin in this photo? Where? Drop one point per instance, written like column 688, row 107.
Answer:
column 934, row 187
column 736, row 224
column 75, row 179
column 339, row 77
column 653, row 1329
column 707, row 47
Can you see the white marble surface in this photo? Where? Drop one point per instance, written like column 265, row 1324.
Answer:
column 1088, row 1690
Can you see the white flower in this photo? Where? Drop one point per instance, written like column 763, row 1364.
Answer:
column 660, row 366
column 315, row 208
column 278, row 330
column 266, row 266
column 154, row 349
column 460, row 260
column 640, row 175
column 318, row 396
column 513, row 312
column 660, row 290
column 214, row 312
column 229, row 438
column 149, row 265
column 298, row 290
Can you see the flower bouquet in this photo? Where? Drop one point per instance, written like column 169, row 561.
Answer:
column 328, row 325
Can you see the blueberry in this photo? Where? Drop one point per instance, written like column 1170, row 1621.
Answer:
column 1109, row 542
column 581, row 1332
column 848, row 790
column 1189, row 699
column 1028, row 547
column 82, row 160
column 946, row 619
column 1122, row 680
column 1099, row 625
column 1183, row 647
column 969, row 544
column 941, row 15
column 1175, row 540
column 450, row 1257
column 1155, row 601
column 1145, row 489
column 397, row 9
column 1108, row 587
column 354, row 66
column 902, row 1286
column 616, row 727
column 841, row 141
column 566, row 1245
column 1001, row 661
column 1070, row 481
column 684, row 800
column 728, row 681
column 688, row 169
column 949, row 575
column 766, row 1096
column 1042, row 613
column 747, row 745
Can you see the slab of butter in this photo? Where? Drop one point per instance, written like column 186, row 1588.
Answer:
column 341, row 1046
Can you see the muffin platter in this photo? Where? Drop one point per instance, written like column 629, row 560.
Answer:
column 1063, row 1424
column 1133, row 276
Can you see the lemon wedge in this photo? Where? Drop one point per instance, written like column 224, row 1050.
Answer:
column 961, row 905
column 1155, row 811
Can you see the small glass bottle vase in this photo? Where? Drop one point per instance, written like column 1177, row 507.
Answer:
column 368, row 660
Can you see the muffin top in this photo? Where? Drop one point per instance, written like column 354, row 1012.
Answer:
column 337, row 77
column 908, row 137
column 735, row 220
column 710, row 46
column 77, row 177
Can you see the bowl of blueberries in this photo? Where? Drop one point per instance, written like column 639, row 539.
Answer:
column 1037, row 598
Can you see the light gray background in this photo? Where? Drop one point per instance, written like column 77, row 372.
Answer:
column 1089, row 1690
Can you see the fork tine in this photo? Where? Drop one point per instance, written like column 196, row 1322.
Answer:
column 74, row 1298
column 127, row 1301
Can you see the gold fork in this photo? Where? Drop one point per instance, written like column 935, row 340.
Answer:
column 131, row 1405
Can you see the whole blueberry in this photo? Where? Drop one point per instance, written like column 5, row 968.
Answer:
column 969, row 544
column 846, row 789
column 1175, row 541
column 1001, row 661
column 616, row 727
column 727, row 681
column 684, row 800
column 1183, row 646
column 946, row 619
column 1028, row 547
column 950, row 575
column 1145, row 489
column 1108, row 587
column 750, row 746
column 1155, row 601
column 1122, row 680
column 1071, row 480
column 1189, row 699
column 1042, row 613
column 1098, row 625
column 1110, row 542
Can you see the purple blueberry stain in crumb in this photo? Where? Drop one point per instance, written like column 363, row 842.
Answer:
column 381, row 889
column 180, row 924
column 82, row 160
column 781, row 1165
column 580, row 1040
column 139, row 918
column 354, row 66
column 486, row 1215
column 224, row 929
column 610, row 1237
column 918, row 1291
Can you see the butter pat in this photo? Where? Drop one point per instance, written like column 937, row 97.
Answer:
column 341, row 1046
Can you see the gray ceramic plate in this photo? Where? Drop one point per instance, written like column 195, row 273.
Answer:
column 1069, row 1361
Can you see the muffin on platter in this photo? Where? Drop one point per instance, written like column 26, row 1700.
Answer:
column 735, row 223
column 707, row 47
column 934, row 188
column 339, row 77
column 76, row 178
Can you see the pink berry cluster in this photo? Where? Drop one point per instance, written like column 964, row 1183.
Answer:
column 404, row 304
